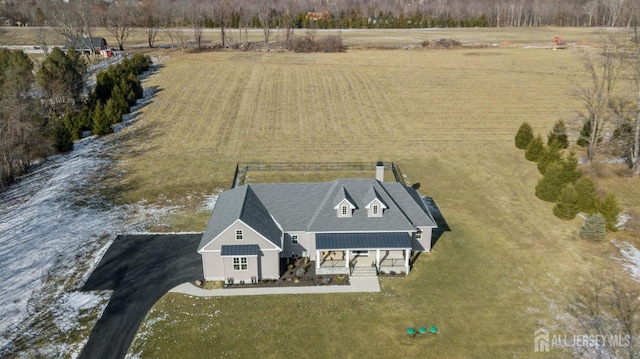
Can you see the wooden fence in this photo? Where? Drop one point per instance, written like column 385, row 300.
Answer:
column 242, row 168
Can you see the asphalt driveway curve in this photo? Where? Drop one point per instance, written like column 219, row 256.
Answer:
column 140, row 269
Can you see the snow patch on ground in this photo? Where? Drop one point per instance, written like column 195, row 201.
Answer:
column 210, row 201
column 54, row 229
column 81, row 300
column 630, row 259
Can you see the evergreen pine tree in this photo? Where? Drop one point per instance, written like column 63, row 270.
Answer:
column 594, row 228
column 535, row 149
column 101, row 123
column 570, row 171
column 550, row 154
column 610, row 210
column 118, row 96
column 524, row 136
column 62, row 138
column 72, row 125
column 548, row 188
column 112, row 112
column 583, row 139
column 559, row 135
column 128, row 91
column 135, row 85
column 586, row 191
column 567, row 205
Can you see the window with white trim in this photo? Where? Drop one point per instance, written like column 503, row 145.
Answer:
column 239, row 235
column 294, row 239
column 240, row 263
column 344, row 210
column 375, row 210
column 419, row 234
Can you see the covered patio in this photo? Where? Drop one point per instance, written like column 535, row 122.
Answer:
column 341, row 253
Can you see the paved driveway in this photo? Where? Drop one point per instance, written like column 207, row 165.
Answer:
column 139, row 269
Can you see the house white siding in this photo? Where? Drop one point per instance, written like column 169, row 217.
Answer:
column 212, row 266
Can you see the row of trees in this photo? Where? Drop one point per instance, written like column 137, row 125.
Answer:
column 44, row 113
column 117, row 89
column 564, row 184
column 75, row 18
column 609, row 121
column 21, row 123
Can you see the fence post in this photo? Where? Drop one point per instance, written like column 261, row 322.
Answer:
column 235, row 176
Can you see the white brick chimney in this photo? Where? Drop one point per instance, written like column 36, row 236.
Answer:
column 380, row 171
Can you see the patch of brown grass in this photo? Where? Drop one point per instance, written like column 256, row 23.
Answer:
column 508, row 267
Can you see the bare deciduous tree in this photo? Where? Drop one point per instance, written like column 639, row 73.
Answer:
column 287, row 17
column 596, row 95
column 41, row 40
column 197, row 16
column 66, row 20
column 244, row 19
column 149, row 15
column 265, row 16
column 222, row 15
column 608, row 305
column 118, row 20
column 21, row 135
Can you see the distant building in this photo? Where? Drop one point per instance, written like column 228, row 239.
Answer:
column 87, row 45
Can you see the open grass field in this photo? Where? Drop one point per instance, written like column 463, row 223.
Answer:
column 448, row 117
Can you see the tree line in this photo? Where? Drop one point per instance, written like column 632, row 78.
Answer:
column 42, row 112
column 75, row 18
column 564, row 184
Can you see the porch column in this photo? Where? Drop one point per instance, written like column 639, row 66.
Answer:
column 346, row 258
column 406, row 259
column 378, row 258
column 318, row 259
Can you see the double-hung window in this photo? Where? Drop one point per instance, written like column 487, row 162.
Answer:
column 239, row 235
column 240, row 263
column 294, row 238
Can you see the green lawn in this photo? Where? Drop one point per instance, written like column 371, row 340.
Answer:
column 507, row 268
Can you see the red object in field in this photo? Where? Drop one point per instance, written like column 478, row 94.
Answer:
column 558, row 41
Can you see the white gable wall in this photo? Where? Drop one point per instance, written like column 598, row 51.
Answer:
column 216, row 267
column 228, row 237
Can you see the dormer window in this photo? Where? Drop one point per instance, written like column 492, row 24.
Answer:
column 375, row 208
column 345, row 208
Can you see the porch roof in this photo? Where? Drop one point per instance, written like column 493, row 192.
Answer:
column 240, row 250
column 378, row 240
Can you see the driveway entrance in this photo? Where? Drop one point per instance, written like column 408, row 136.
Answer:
column 139, row 269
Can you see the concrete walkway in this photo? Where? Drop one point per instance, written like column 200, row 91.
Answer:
column 357, row 285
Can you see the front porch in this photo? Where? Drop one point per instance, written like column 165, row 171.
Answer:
column 344, row 252
column 347, row 261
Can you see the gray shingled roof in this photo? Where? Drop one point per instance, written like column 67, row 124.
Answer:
column 341, row 195
column 240, row 250
column 310, row 207
column 241, row 204
column 371, row 195
column 393, row 218
column 390, row 240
